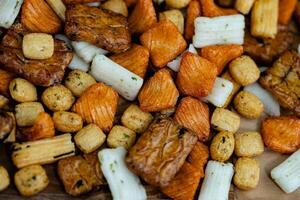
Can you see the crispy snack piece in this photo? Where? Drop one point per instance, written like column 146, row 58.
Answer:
column 97, row 26
column 248, row 105
column 193, row 115
column 5, row 78
column 196, row 75
column 27, row 113
column 246, row 173
column 38, row 46
column 225, row 120
column 244, row 70
column 221, row 55
column 210, row 9
column 31, row 180
column 222, row 146
column 267, row 50
column 135, row 119
column 78, row 1
column 264, row 18
column 90, row 138
column 135, row 59
column 121, row 136
column 164, row 42
column 160, row 152
column 286, row 9
column 193, row 11
column 98, row 104
column 281, row 134
column 37, row 16
column 185, row 183
column 283, row 81
column 44, row 151
column 22, row 90
column 39, row 72
column 159, row 92
column 80, row 174
column 248, row 144
column 199, row 157
column 43, row 127
column 142, row 17
column 58, row 98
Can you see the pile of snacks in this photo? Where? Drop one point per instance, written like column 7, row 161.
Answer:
column 164, row 91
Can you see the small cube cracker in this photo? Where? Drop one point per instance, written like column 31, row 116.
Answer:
column 225, row 120
column 246, row 175
column 67, row 121
column 22, row 90
column 244, row 70
column 78, row 81
column 136, row 119
column 222, row 146
column 121, row 136
column 248, row 105
column 248, row 144
column 38, row 46
column 89, row 138
column 31, row 180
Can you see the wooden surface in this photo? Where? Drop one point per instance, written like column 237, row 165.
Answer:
column 55, row 190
